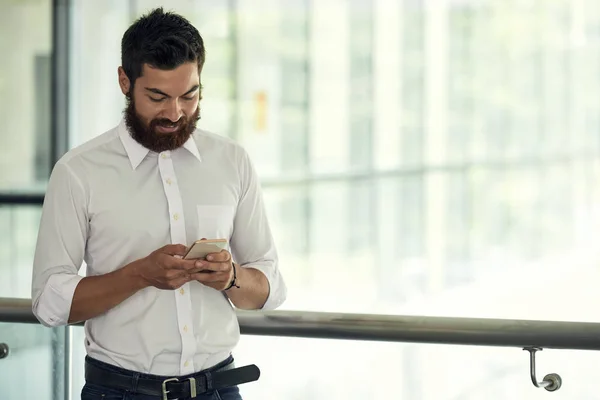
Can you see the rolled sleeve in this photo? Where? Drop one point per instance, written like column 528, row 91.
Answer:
column 54, row 302
column 277, row 288
column 60, row 247
column 252, row 243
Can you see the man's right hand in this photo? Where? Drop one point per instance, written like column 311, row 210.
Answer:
column 94, row 295
column 163, row 269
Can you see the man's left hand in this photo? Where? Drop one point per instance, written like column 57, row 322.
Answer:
column 216, row 271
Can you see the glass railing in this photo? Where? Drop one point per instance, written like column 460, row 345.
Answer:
column 412, row 357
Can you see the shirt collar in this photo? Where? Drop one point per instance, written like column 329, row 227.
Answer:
column 136, row 152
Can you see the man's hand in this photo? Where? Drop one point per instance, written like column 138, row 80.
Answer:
column 216, row 271
column 163, row 270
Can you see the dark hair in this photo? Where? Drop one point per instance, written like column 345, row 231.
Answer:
column 162, row 39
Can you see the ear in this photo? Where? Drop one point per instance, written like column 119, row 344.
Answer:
column 124, row 82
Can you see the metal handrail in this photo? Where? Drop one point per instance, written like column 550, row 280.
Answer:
column 392, row 328
column 527, row 334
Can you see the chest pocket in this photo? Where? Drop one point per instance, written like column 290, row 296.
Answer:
column 215, row 221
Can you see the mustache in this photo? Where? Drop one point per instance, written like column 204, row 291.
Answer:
column 183, row 121
column 167, row 122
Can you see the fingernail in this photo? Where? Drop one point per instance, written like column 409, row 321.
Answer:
column 198, row 263
column 209, row 258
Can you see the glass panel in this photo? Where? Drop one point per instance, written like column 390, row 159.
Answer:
column 395, row 370
column 25, row 37
column 34, row 368
column 299, row 369
column 18, row 235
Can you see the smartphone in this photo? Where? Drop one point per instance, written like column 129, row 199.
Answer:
column 201, row 248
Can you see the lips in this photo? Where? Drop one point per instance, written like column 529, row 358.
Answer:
column 167, row 128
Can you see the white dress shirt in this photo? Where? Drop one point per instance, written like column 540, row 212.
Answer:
column 111, row 201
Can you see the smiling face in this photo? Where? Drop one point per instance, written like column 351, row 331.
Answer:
column 163, row 105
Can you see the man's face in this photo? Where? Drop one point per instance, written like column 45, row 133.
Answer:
column 163, row 107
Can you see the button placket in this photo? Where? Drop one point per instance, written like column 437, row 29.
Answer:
column 178, row 235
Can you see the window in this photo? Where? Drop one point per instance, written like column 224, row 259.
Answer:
column 415, row 159
column 25, row 34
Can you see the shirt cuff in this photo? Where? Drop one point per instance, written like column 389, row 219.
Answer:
column 54, row 304
column 277, row 288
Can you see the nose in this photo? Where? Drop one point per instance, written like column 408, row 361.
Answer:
column 173, row 110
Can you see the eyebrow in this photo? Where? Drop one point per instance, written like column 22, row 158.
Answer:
column 158, row 91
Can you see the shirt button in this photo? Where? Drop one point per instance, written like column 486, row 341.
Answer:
column 182, row 291
column 175, row 216
column 169, row 181
column 185, row 328
column 186, row 364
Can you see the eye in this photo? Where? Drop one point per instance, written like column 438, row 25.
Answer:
column 188, row 98
column 156, row 100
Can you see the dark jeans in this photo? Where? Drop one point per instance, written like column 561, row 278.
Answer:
column 97, row 392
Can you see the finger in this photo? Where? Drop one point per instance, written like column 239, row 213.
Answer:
column 207, row 277
column 186, row 265
column 174, row 274
column 222, row 256
column 174, row 249
column 196, row 270
column 213, row 266
column 178, row 263
column 169, row 262
column 177, row 283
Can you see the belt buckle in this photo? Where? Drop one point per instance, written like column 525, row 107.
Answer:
column 164, row 387
column 193, row 393
column 192, row 388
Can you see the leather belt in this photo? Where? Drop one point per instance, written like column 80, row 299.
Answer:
column 176, row 387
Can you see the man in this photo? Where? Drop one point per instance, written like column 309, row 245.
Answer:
column 129, row 203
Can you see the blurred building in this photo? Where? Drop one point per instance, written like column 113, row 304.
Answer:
column 432, row 157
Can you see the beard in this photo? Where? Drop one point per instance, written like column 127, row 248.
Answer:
column 147, row 134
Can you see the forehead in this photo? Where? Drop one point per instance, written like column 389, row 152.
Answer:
column 179, row 79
